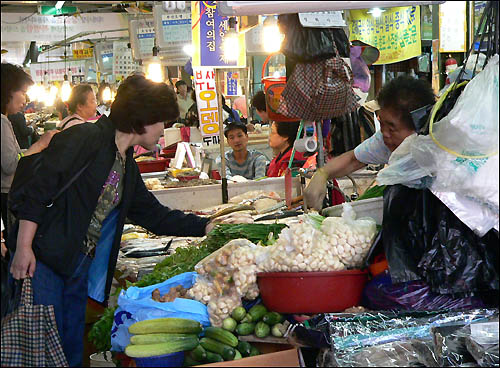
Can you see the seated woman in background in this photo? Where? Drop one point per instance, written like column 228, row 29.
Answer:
column 281, row 139
column 82, row 105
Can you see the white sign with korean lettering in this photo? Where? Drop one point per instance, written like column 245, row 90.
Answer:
column 206, row 99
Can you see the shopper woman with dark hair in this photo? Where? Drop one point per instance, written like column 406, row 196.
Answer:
column 82, row 105
column 281, row 140
column 56, row 246
column 15, row 83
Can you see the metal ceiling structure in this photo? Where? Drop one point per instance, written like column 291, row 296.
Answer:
column 83, row 6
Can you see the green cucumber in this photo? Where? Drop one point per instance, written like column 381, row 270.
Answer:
column 229, row 324
column 149, row 350
column 198, row 353
column 244, row 329
column 237, row 356
column 157, row 338
column 189, row 362
column 214, row 357
column 244, row 348
column 226, row 351
column 257, row 312
column 239, row 313
column 222, row 335
column 165, row 325
column 262, row 330
column 271, row 318
column 254, row 351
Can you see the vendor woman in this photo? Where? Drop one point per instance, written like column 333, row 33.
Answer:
column 240, row 161
column 396, row 100
column 281, row 139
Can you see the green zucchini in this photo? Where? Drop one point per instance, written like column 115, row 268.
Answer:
column 166, row 325
column 244, row 348
column 150, row 350
column 214, row 357
column 198, row 353
column 237, row 355
column 271, row 318
column 262, row 330
column 157, row 338
column 226, row 351
column 257, row 312
column 244, row 329
column 221, row 335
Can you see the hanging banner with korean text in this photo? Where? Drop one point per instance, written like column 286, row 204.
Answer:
column 396, row 32
column 231, row 85
column 209, row 30
column 206, row 99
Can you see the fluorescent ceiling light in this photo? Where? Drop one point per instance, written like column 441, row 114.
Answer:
column 59, row 4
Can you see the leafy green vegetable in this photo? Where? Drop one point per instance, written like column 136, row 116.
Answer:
column 373, row 192
column 183, row 260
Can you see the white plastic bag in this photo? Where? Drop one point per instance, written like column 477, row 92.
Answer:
column 471, row 127
column 403, row 169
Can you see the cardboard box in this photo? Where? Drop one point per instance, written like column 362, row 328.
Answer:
column 285, row 358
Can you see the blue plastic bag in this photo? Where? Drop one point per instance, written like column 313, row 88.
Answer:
column 99, row 268
column 135, row 304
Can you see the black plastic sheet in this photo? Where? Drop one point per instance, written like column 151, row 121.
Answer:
column 424, row 240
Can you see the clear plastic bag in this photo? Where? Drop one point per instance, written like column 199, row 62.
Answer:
column 350, row 238
column 403, row 169
column 399, row 338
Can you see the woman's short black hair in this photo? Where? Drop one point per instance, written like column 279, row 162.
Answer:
column 405, row 94
column 14, row 78
column 78, row 96
column 140, row 102
column 288, row 130
column 259, row 101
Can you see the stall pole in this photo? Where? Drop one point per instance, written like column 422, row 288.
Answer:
column 219, row 89
column 321, row 154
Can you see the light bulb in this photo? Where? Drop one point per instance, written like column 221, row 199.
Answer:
column 48, row 97
column 34, row 92
column 376, row 12
column 65, row 91
column 106, row 94
column 231, row 46
column 155, row 71
column 53, row 91
column 272, row 37
column 188, row 49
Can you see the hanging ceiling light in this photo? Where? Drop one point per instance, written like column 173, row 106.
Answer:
column 231, row 46
column 272, row 38
column 376, row 12
column 106, row 94
column 65, row 89
column 188, row 49
column 155, row 69
column 35, row 92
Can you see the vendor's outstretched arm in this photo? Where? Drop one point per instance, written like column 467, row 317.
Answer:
column 337, row 167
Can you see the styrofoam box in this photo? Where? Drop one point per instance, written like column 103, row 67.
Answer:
column 373, row 207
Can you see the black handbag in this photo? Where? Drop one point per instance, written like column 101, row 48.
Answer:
column 304, row 44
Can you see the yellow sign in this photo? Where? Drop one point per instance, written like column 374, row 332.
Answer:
column 396, row 32
column 83, row 53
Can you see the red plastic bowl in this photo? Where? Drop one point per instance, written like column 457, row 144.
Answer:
column 311, row 292
column 153, row 166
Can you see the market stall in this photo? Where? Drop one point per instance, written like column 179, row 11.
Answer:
column 403, row 273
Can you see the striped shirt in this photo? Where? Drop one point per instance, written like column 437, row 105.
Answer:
column 254, row 166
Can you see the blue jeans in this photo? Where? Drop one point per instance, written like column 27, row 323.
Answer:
column 69, row 298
